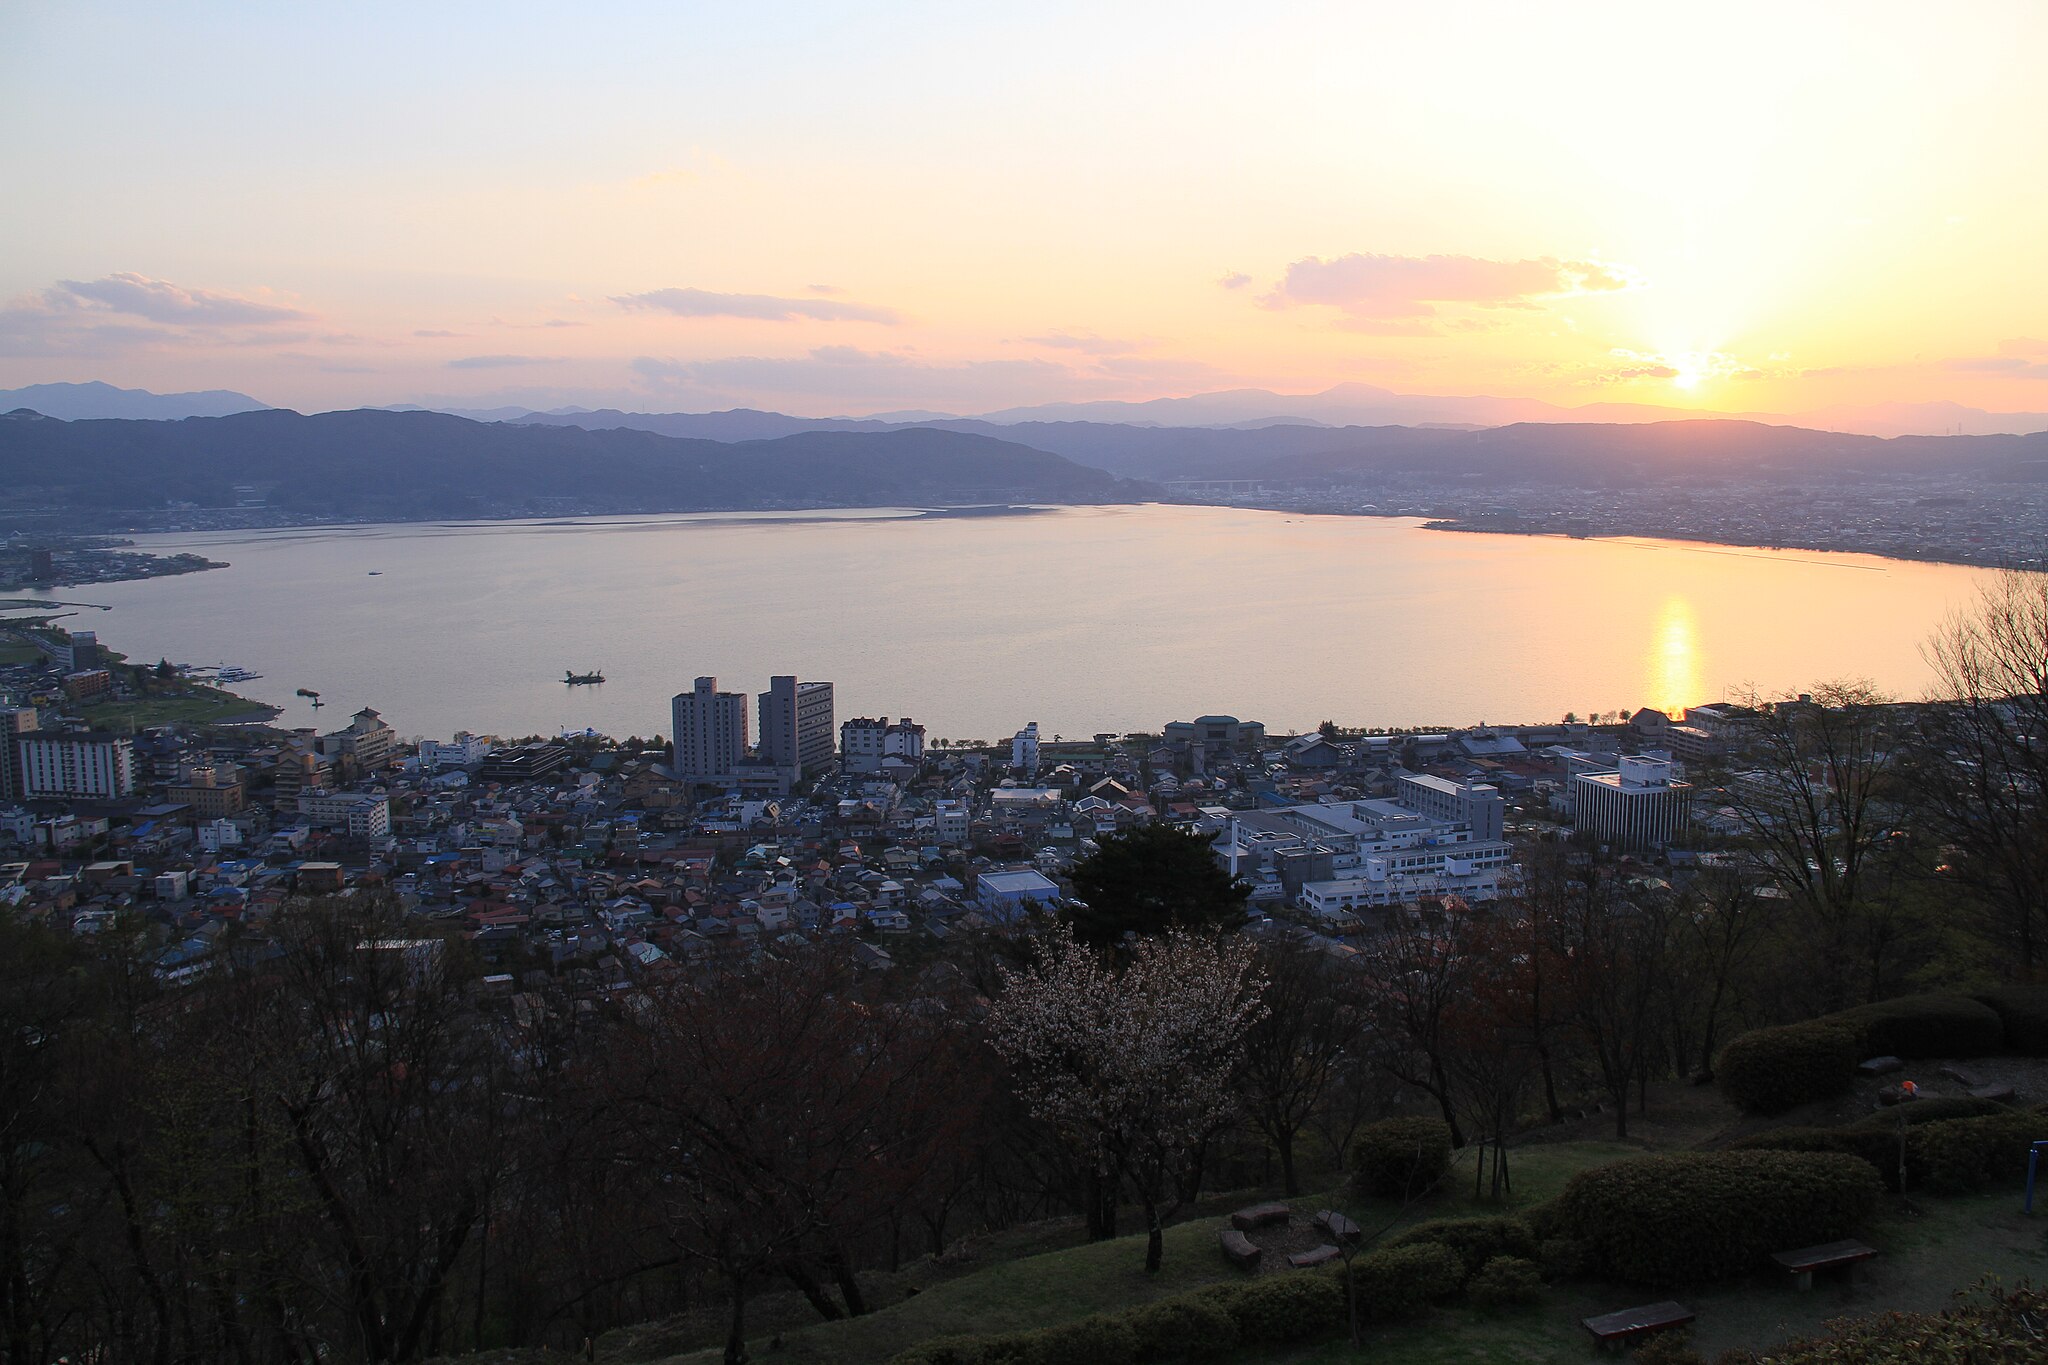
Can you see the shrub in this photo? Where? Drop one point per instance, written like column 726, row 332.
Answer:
column 1097, row 1340
column 1475, row 1240
column 1933, row 1109
column 1770, row 1070
column 1402, row 1282
column 1402, row 1158
column 1960, row 1155
column 1926, row 1026
column 1506, row 1282
column 1878, row 1146
column 1990, row 1324
column 1667, row 1220
column 943, row 1351
column 1275, row 1309
column 2023, row 1010
column 1668, row 1348
column 1185, row 1328
column 1564, row 1258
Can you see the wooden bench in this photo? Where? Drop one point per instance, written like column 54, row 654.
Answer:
column 1340, row 1228
column 1259, row 1216
column 1239, row 1249
column 1613, row 1329
column 1802, row 1263
column 1315, row 1256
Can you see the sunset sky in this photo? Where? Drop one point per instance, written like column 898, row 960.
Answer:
column 848, row 208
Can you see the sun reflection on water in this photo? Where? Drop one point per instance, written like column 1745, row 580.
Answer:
column 1673, row 671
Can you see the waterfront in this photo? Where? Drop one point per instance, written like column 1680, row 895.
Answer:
column 1080, row 618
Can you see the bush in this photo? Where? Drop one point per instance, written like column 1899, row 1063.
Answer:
column 1668, row 1220
column 1926, row 1026
column 943, row 1351
column 1564, row 1258
column 1275, row 1309
column 1475, row 1240
column 1401, row 1158
column 1990, row 1324
column 1506, row 1282
column 1878, row 1146
column 1668, row 1348
column 1402, row 1282
column 1961, row 1155
column 1770, row 1070
column 1097, row 1340
column 2023, row 1010
column 1934, row 1109
column 1185, row 1328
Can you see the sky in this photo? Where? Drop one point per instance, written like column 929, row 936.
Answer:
column 850, row 208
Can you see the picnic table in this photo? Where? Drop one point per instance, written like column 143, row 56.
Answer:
column 1802, row 1263
column 1610, row 1329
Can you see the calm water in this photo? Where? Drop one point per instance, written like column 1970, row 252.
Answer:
column 1082, row 619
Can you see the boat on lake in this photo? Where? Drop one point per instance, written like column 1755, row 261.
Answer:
column 582, row 679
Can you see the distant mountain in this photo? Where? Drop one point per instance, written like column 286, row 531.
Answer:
column 737, row 424
column 373, row 465
column 84, row 402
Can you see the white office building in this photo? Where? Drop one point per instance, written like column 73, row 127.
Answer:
column 1024, row 749
column 76, row 765
column 1637, row 805
column 865, row 744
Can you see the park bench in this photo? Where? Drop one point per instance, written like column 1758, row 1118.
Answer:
column 1239, row 1249
column 1259, row 1216
column 1613, row 1329
column 1802, row 1263
column 1313, row 1257
column 1340, row 1228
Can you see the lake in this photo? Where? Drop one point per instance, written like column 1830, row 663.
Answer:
column 1081, row 618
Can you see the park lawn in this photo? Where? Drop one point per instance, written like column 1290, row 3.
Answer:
column 1057, row 1286
column 203, row 706
column 1930, row 1248
column 11, row 653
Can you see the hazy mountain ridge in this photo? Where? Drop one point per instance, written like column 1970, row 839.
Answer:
column 369, row 464
column 93, row 399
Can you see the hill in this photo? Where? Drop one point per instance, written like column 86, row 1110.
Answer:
column 372, row 465
column 74, row 402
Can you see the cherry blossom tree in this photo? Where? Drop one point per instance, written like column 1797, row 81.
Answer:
column 1132, row 1062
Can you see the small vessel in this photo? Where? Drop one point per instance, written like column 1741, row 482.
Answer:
column 376, row 573
column 315, row 696
column 582, row 679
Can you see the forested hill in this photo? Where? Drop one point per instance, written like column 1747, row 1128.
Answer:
column 400, row 465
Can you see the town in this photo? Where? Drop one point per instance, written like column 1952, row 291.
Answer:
column 607, row 860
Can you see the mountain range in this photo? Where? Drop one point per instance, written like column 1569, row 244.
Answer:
column 373, row 465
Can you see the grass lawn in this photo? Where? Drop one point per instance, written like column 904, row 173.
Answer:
column 203, row 706
column 1056, row 1286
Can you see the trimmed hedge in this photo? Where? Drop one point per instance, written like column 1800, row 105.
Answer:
column 1186, row 1327
column 942, row 1351
column 1926, row 1026
column 2023, row 1010
column 1770, row 1070
column 1506, row 1282
column 1475, row 1240
column 1962, row 1155
column 1402, row 1282
column 1277, row 1309
column 1933, row 1109
column 1401, row 1158
column 1098, row 1340
column 1670, row 1220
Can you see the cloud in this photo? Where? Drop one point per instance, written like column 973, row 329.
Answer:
column 849, row 377
column 1086, row 342
column 1384, row 288
column 126, row 312
column 501, row 362
column 701, row 303
column 1235, row 279
column 436, row 332
column 2009, row 366
column 161, row 301
column 824, row 289
column 2023, row 346
column 563, row 322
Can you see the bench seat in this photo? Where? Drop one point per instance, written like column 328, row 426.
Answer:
column 1239, row 1249
column 1628, row 1323
column 1802, row 1263
column 1259, row 1216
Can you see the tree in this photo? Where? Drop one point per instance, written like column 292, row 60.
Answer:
column 1148, row 880
column 1613, row 974
column 1815, row 815
column 1132, row 1062
column 1981, row 767
column 1310, row 1028
column 1415, row 973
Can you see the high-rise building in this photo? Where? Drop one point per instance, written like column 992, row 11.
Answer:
column 1024, row 749
column 710, row 732
column 866, row 744
column 796, row 724
column 79, row 763
column 15, row 721
column 1638, row 805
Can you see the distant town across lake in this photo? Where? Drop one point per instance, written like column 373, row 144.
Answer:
column 1083, row 619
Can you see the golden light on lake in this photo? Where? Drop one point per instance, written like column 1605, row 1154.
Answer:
column 1673, row 671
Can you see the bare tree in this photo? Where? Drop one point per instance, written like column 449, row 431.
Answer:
column 1981, row 773
column 1133, row 1061
column 1415, row 973
column 1312, row 1025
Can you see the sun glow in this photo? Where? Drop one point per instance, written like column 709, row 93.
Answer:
column 1674, row 658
